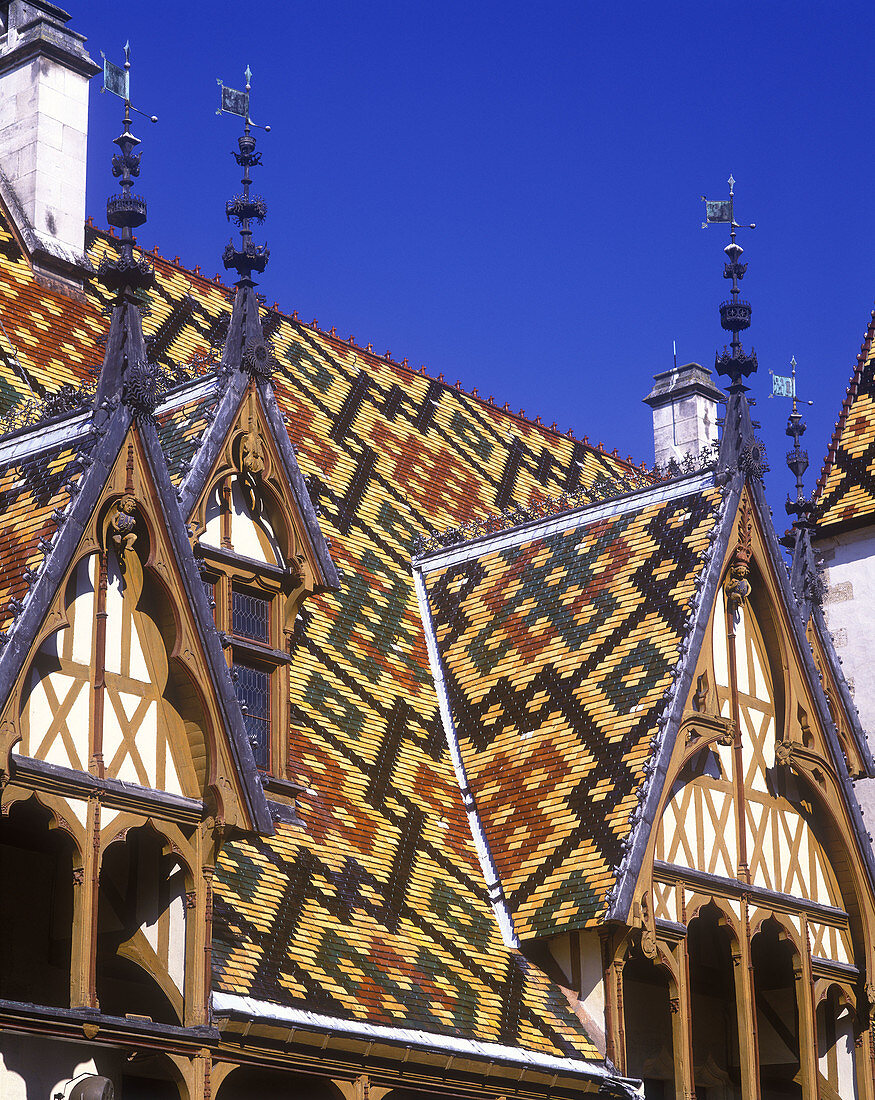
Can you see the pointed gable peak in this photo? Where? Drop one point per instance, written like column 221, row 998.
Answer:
column 245, row 493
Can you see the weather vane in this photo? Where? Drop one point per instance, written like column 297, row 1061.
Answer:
column 735, row 314
column 234, row 102
column 117, row 79
column 244, row 208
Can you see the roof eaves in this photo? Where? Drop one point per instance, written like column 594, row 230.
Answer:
column 228, row 1005
column 32, row 440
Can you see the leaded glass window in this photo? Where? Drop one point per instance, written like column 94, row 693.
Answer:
column 250, row 616
column 253, row 691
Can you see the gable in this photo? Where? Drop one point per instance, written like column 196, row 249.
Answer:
column 846, row 487
column 116, row 682
column 756, row 800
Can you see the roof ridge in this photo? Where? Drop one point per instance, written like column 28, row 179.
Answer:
column 863, row 359
column 577, row 501
column 349, row 345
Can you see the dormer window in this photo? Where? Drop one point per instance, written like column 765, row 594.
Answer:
column 259, row 564
column 248, row 611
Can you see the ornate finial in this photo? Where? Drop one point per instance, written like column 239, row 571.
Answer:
column 734, row 314
column 804, row 573
column 797, row 459
column 244, row 208
column 125, row 275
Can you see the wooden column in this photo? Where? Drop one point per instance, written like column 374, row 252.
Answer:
column 807, row 1020
column 95, row 764
column 743, row 869
column 682, row 1026
column 612, row 968
column 864, row 1063
column 86, row 887
column 745, row 1009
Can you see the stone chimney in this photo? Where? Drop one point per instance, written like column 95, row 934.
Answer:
column 44, row 75
column 684, row 402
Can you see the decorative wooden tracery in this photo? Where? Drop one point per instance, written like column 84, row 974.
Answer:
column 754, row 820
column 114, row 726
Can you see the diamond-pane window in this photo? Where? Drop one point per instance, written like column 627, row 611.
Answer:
column 250, row 616
column 252, row 686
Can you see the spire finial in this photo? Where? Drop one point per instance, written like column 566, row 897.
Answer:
column 126, row 211
column 734, row 314
column 804, row 574
column 126, row 375
column 244, row 208
column 797, row 459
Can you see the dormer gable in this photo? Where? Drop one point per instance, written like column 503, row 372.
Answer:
column 255, row 531
column 118, row 681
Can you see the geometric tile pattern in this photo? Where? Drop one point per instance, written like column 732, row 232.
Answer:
column 557, row 654
column 376, row 908
column 33, row 493
column 846, row 488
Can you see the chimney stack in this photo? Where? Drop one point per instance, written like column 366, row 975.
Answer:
column 44, row 75
column 684, row 403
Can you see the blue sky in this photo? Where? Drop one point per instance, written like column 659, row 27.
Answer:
column 509, row 193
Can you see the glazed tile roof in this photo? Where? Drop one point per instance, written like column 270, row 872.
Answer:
column 377, row 909
column 36, row 486
column 558, row 646
column 846, row 488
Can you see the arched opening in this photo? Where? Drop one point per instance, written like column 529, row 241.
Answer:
column 245, row 1082
column 36, row 907
column 835, row 1047
column 647, row 1018
column 716, row 1057
column 141, row 930
column 151, row 1076
column 777, row 1013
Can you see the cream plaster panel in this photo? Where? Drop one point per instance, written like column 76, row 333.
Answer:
column 251, row 534
column 719, row 648
column 842, row 1052
column 850, row 612
column 592, row 986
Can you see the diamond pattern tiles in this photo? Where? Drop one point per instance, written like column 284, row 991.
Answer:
column 376, row 910
column 34, row 492
column 557, row 652
column 846, row 489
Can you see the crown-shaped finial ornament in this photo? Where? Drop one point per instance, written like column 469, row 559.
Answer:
column 244, row 208
column 797, row 459
column 735, row 313
column 125, row 275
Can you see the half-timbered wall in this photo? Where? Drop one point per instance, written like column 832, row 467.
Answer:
column 698, row 829
column 144, row 740
column 753, row 901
